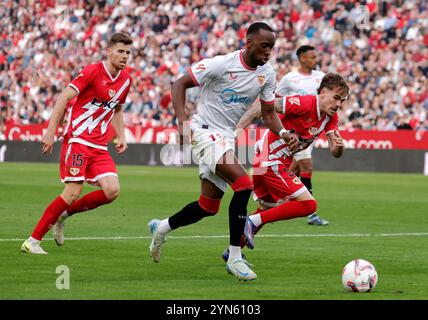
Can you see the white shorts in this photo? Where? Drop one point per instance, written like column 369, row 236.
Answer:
column 304, row 154
column 208, row 147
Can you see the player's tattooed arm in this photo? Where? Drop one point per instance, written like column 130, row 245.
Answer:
column 335, row 143
column 279, row 101
column 254, row 113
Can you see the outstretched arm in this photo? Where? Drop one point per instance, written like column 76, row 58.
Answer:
column 178, row 92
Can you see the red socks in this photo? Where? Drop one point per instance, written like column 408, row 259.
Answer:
column 50, row 216
column 58, row 206
column 88, row 202
column 289, row 210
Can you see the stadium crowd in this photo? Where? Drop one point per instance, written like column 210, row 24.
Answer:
column 383, row 55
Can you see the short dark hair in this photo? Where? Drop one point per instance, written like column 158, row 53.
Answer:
column 256, row 26
column 333, row 80
column 120, row 37
column 304, row 49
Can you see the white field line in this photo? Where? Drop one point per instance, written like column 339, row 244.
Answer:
column 407, row 234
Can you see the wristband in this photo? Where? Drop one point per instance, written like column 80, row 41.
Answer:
column 282, row 131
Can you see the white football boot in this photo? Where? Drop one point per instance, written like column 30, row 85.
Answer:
column 240, row 269
column 58, row 232
column 316, row 220
column 157, row 240
column 32, row 247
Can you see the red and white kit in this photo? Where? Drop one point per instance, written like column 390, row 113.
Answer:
column 298, row 84
column 84, row 155
column 272, row 179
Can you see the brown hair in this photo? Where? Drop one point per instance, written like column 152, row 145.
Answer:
column 334, row 80
column 120, row 37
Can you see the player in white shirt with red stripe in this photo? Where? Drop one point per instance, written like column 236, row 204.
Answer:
column 280, row 194
column 101, row 89
column 304, row 81
column 231, row 83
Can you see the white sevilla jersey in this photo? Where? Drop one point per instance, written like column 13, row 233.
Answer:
column 229, row 88
column 295, row 83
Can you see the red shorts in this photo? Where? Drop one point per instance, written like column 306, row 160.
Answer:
column 276, row 183
column 79, row 162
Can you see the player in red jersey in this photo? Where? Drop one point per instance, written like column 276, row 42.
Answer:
column 279, row 192
column 100, row 90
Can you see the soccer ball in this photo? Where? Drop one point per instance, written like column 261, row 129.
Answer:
column 359, row 276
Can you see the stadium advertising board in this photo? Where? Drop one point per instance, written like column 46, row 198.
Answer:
column 359, row 139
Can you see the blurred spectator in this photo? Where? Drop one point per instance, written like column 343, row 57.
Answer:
column 380, row 47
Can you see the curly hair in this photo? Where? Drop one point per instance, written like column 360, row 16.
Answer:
column 332, row 81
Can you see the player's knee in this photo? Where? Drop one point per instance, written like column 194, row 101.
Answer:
column 70, row 196
column 112, row 192
column 242, row 183
column 211, row 206
column 71, row 193
column 310, row 206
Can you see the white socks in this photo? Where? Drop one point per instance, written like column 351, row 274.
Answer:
column 32, row 240
column 234, row 253
column 164, row 227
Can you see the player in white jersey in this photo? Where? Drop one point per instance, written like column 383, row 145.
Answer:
column 304, row 81
column 231, row 83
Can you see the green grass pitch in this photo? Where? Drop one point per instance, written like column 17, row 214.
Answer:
column 378, row 217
